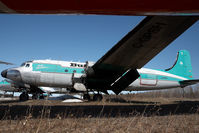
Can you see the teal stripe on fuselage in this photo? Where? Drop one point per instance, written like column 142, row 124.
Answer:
column 59, row 69
column 4, row 83
column 55, row 68
column 172, row 73
column 157, row 77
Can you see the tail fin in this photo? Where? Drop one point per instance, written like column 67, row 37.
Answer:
column 182, row 66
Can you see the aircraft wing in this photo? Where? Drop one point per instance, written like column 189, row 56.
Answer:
column 118, row 67
column 7, row 63
column 189, row 82
column 102, row 7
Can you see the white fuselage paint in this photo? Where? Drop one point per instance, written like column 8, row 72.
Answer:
column 139, row 85
column 65, row 80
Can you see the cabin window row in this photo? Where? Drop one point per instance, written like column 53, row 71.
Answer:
column 74, row 71
column 77, row 65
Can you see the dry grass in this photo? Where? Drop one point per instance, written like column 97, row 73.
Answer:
column 151, row 112
column 187, row 92
column 137, row 124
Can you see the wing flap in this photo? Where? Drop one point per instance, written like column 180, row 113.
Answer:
column 124, row 81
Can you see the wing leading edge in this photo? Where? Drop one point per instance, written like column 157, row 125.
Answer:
column 118, row 67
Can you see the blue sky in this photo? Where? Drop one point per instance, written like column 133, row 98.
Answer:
column 80, row 38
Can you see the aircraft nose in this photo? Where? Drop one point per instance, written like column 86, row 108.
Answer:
column 12, row 74
column 4, row 73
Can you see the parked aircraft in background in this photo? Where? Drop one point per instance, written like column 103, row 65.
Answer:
column 118, row 68
column 7, row 87
column 7, row 63
column 10, row 86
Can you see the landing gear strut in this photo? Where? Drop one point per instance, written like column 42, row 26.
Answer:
column 34, row 96
column 37, row 96
column 97, row 97
column 24, row 96
column 86, row 97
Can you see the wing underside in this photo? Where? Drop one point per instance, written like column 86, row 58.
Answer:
column 118, row 67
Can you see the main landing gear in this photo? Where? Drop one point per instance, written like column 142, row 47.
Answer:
column 24, row 96
column 37, row 96
column 86, row 97
column 97, row 97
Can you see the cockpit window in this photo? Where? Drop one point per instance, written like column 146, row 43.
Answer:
column 23, row 64
column 27, row 65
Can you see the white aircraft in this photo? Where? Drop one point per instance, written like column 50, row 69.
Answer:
column 7, row 63
column 119, row 69
column 10, row 86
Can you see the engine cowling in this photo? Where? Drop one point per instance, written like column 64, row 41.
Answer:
column 78, row 82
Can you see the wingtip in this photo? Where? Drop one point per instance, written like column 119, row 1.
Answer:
column 6, row 63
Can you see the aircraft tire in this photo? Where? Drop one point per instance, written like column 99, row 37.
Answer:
column 86, row 97
column 34, row 96
column 41, row 97
column 97, row 97
column 23, row 97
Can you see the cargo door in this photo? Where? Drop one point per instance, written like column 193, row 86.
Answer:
column 148, row 79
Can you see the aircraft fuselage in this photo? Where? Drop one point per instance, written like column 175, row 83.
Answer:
column 64, row 74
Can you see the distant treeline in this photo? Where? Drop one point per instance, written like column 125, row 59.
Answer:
column 187, row 92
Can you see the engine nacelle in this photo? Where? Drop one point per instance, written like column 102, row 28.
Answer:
column 88, row 69
column 79, row 87
column 78, row 82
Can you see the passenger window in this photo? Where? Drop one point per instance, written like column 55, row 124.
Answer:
column 66, row 70
column 72, row 64
column 74, row 71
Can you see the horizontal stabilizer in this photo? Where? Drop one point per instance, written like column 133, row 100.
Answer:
column 188, row 82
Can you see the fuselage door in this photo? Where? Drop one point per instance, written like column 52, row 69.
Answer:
column 148, row 79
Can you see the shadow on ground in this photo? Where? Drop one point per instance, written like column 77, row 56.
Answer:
column 57, row 111
column 121, row 100
column 10, row 101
